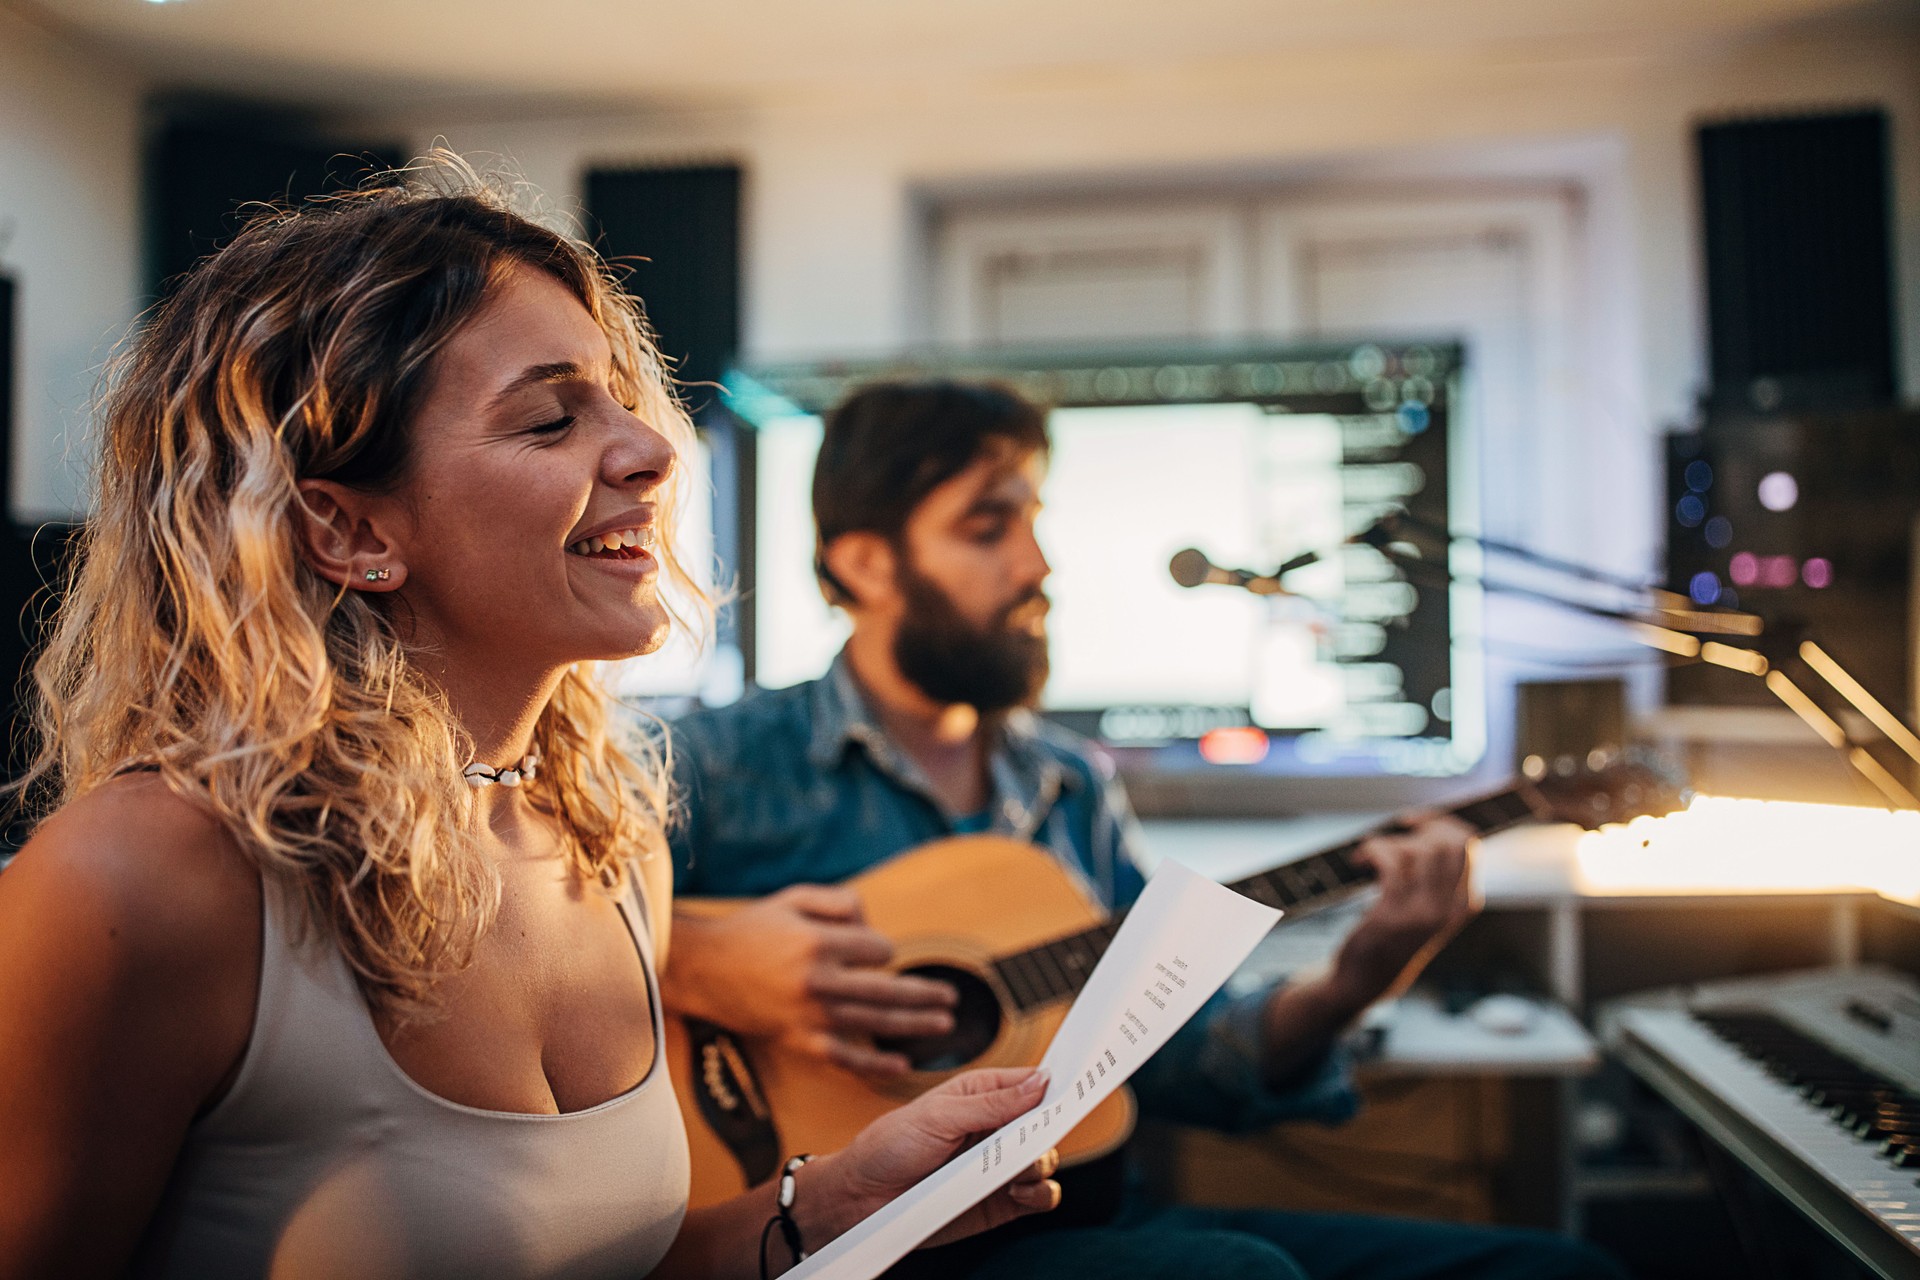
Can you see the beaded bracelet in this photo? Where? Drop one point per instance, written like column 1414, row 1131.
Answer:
column 783, row 1217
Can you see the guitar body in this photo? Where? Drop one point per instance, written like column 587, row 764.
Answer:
column 951, row 907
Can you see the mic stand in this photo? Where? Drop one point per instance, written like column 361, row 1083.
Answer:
column 1681, row 644
column 1662, row 609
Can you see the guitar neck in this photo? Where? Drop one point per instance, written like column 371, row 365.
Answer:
column 1293, row 886
column 1057, row 970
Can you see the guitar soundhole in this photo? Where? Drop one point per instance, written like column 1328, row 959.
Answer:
column 976, row 1023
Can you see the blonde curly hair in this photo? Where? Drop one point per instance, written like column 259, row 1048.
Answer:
column 195, row 639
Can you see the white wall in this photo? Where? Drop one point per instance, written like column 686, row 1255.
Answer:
column 70, row 237
column 837, row 182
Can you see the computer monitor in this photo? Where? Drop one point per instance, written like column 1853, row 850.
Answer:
column 1255, row 458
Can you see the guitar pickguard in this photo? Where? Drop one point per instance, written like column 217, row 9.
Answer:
column 728, row 1094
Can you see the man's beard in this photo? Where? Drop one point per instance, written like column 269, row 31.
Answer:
column 992, row 668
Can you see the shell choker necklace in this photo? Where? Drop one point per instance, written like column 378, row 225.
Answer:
column 480, row 776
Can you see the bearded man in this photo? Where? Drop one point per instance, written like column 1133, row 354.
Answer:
column 925, row 497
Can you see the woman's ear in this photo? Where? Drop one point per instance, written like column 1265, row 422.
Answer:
column 862, row 565
column 341, row 532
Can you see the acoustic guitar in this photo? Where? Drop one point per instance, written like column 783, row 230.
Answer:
column 1014, row 932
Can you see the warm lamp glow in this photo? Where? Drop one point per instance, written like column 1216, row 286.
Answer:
column 1719, row 844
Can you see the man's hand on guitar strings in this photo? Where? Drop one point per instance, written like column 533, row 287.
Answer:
column 802, row 965
column 1425, row 895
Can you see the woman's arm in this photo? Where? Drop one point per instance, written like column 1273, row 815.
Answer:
column 886, row 1158
column 129, row 962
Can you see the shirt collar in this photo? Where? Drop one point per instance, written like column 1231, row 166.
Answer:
column 840, row 716
column 1027, row 779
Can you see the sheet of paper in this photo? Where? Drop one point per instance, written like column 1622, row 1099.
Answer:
column 1182, row 940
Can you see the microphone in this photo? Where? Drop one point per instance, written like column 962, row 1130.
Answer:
column 1191, row 568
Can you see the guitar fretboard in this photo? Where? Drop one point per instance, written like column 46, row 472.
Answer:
column 1057, row 970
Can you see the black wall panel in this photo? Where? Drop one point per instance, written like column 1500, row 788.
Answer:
column 1799, row 262
column 678, row 229
column 204, row 164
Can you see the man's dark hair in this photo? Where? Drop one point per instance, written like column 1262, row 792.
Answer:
column 890, row 444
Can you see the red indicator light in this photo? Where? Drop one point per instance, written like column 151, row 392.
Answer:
column 1240, row 744
column 1817, row 573
column 1778, row 571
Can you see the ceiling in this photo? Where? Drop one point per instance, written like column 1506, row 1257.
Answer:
column 374, row 53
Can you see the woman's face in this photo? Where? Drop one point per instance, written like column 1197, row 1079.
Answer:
column 524, row 469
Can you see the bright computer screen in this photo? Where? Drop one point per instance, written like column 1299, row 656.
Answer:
column 1355, row 667
column 691, row 664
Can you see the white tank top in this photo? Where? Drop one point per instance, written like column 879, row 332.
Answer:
column 325, row 1159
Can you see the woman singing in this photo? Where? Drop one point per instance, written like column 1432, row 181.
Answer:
column 338, row 955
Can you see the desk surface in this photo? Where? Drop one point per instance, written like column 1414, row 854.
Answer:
column 1420, row 1037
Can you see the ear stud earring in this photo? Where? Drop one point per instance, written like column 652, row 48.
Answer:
column 379, row 575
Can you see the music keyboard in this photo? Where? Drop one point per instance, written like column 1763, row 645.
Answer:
column 1812, row 1080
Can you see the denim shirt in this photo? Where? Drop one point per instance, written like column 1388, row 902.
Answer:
column 802, row 785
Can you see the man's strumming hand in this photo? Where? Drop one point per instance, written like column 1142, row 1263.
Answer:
column 802, row 966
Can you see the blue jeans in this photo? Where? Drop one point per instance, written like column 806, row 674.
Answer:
column 1186, row 1243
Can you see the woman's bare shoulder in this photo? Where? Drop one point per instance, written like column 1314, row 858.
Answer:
column 154, row 869
column 130, row 936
